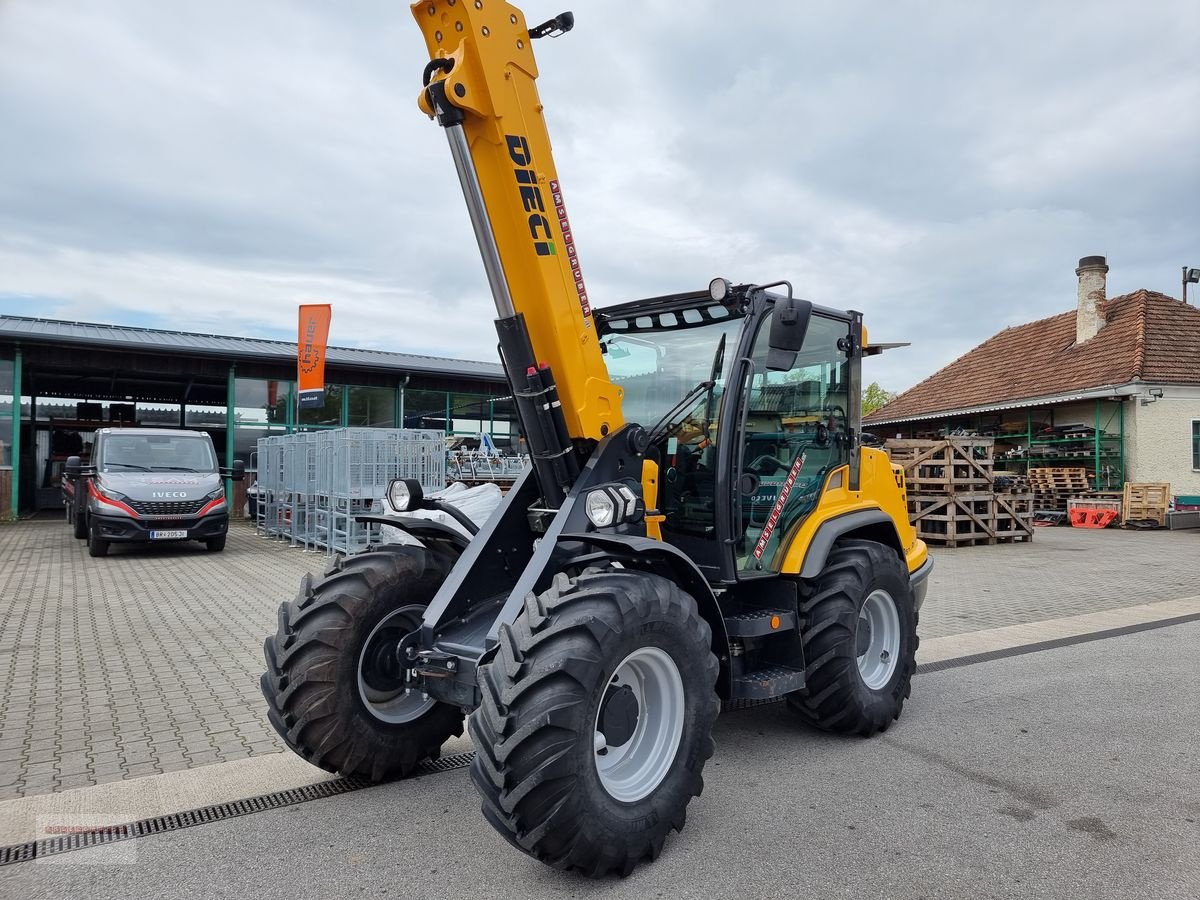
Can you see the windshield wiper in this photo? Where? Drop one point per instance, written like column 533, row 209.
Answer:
column 708, row 385
column 109, row 465
column 180, row 469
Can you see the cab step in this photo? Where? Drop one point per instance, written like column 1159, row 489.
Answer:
column 760, row 622
column 765, row 684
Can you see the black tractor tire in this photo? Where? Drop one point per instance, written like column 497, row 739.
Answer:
column 835, row 697
column 78, row 514
column 216, row 544
column 312, row 680
column 535, row 763
column 97, row 546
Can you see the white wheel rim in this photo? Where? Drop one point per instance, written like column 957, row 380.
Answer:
column 634, row 769
column 878, row 639
column 395, row 704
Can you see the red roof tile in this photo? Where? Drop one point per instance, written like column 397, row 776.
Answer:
column 1147, row 336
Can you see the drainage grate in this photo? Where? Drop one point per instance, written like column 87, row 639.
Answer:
column 1055, row 644
column 161, row 824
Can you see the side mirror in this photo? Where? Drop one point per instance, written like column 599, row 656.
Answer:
column 239, row 469
column 789, row 325
column 72, row 467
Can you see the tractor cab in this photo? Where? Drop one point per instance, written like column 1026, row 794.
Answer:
column 745, row 434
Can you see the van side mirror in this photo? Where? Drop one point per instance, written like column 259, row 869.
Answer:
column 789, row 325
column 72, row 467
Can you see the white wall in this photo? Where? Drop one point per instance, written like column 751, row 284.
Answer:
column 1159, row 438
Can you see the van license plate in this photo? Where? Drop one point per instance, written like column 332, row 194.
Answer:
column 168, row 535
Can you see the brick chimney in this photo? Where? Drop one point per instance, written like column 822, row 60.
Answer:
column 1088, row 318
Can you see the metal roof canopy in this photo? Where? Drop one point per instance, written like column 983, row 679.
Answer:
column 26, row 330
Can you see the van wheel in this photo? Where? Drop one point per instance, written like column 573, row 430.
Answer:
column 215, row 545
column 97, row 546
column 78, row 519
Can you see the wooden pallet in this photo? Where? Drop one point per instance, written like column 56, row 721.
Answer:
column 1147, row 501
column 968, row 519
column 950, row 466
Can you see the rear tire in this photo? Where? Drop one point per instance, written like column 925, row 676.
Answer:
column 315, row 699
column 568, row 774
column 97, row 546
column 215, row 545
column 860, row 641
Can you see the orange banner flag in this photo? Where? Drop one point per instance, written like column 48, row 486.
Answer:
column 310, row 362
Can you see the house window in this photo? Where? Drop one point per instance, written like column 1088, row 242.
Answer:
column 1196, row 443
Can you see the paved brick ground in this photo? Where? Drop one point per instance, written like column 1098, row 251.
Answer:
column 148, row 660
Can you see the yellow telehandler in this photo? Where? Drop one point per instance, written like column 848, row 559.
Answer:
column 699, row 523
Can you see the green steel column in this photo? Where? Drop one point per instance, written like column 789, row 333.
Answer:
column 449, row 421
column 345, row 405
column 230, row 413
column 492, row 417
column 1096, row 443
column 15, row 498
column 289, row 421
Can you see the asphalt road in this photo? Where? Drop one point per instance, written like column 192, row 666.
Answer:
column 1065, row 773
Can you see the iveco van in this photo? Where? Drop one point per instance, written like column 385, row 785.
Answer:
column 148, row 485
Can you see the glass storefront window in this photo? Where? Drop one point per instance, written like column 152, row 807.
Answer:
column 329, row 415
column 259, row 400
column 425, row 409
column 6, row 376
column 197, row 416
column 373, row 407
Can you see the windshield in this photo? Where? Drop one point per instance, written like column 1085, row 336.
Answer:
column 657, row 359
column 157, row 453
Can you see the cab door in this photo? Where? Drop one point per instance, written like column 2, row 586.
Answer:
column 796, row 430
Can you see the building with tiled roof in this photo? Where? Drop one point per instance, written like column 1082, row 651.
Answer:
column 1125, row 372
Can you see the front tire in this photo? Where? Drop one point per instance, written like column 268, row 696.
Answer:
column 97, row 546
column 215, row 545
column 334, row 692
column 78, row 514
column 860, row 641
column 596, row 720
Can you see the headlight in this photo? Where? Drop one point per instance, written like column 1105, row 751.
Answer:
column 215, row 494
column 405, row 494
column 600, row 508
column 110, row 493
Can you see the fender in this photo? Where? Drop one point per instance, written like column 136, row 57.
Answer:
column 649, row 555
column 872, row 524
column 421, row 529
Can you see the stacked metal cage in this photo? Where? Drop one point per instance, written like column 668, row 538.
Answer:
column 313, row 484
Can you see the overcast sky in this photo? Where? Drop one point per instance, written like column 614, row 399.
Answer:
column 207, row 166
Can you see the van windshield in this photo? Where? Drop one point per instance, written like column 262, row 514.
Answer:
column 157, row 453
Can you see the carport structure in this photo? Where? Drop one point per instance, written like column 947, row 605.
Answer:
column 60, row 381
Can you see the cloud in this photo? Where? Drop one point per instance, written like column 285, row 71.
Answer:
column 939, row 166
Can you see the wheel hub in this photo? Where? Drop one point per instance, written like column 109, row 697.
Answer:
column 382, row 676
column 619, row 715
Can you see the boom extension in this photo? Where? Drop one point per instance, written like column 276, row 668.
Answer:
column 480, row 86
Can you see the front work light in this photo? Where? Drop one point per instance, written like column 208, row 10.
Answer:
column 719, row 289
column 405, row 494
column 600, row 509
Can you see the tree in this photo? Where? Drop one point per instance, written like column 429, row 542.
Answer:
column 874, row 397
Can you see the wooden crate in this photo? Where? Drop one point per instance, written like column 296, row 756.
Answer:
column 5, row 492
column 968, row 519
column 1060, row 479
column 950, row 466
column 1147, row 501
